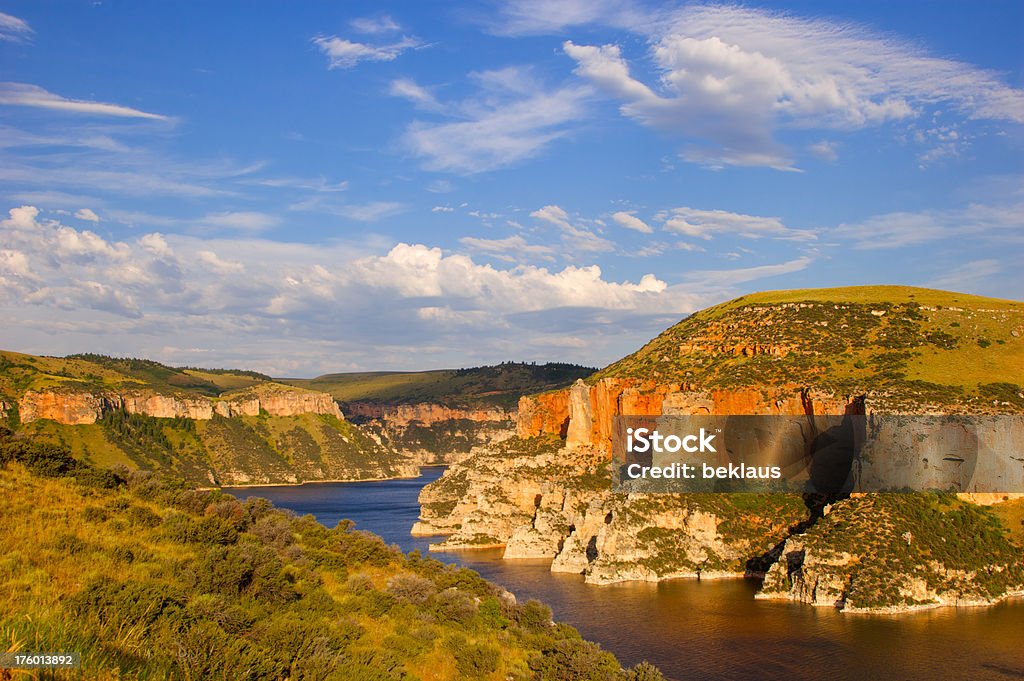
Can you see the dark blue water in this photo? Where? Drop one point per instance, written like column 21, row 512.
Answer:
column 702, row 630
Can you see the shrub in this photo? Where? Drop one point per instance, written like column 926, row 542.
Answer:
column 575, row 660
column 411, row 588
column 473, row 660
column 534, row 616
column 453, row 606
column 143, row 516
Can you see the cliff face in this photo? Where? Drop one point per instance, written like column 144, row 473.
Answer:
column 584, row 414
column 424, row 413
column 81, row 408
column 431, row 434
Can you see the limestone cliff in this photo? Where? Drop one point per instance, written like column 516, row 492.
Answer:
column 79, row 407
column 431, row 434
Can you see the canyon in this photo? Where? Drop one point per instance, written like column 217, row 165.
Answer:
column 547, row 492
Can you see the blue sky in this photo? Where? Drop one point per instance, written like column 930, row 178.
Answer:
column 332, row 186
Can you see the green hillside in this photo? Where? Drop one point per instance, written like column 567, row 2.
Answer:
column 500, row 385
column 20, row 372
column 255, row 449
column 148, row 579
column 915, row 345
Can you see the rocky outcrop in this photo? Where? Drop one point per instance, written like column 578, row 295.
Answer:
column 81, row 407
column 892, row 553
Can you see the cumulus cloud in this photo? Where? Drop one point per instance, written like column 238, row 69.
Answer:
column 706, row 224
column 23, row 94
column 345, row 54
column 630, row 221
column 513, row 118
column 87, row 214
column 13, row 29
column 732, row 77
column 73, row 287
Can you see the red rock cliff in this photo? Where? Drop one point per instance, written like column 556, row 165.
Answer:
column 584, row 414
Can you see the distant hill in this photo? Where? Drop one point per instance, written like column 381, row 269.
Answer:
column 914, row 344
column 215, row 426
column 20, row 372
column 500, row 385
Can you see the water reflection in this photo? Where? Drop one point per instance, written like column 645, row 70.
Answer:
column 709, row 629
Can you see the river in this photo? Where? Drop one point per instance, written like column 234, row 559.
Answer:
column 702, row 630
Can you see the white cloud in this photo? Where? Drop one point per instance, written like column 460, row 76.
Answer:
column 512, row 119
column 371, row 211
column 733, row 77
column 241, row 221
column 216, row 264
column 13, row 29
column 375, row 25
column 705, row 224
column 87, row 214
column 23, row 94
column 442, row 209
column 575, row 237
column 997, row 222
column 536, row 17
column 510, row 249
column 70, row 289
column 969, row 276
column 345, row 54
column 725, row 278
column 630, row 221
column 407, row 88
column 825, row 150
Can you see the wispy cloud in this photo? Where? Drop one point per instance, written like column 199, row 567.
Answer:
column 345, row 54
column 997, row 222
column 510, row 249
column 13, row 29
column 375, row 25
column 24, row 94
column 513, row 118
column 706, row 224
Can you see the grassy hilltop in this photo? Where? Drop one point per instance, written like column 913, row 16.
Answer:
column 489, row 386
column 20, row 372
column 915, row 345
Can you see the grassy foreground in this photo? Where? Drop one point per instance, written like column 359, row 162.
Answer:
column 149, row 579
